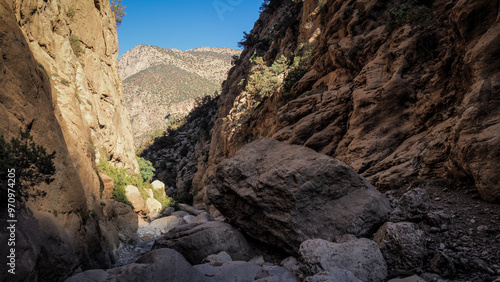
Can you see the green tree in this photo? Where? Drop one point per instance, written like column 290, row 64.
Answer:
column 119, row 10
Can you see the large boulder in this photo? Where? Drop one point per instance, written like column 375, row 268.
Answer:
column 285, row 194
column 197, row 241
column 134, row 197
column 165, row 224
column 153, row 206
column 157, row 265
column 402, row 245
column 362, row 257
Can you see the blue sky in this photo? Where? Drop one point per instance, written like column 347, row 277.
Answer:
column 186, row 24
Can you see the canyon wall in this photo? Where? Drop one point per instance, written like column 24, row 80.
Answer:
column 60, row 78
column 405, row 92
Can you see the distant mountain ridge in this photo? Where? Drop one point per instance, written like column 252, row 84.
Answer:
column 207, row 62
column 160, row 85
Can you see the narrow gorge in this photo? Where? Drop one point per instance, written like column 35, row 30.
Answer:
column 347, row 141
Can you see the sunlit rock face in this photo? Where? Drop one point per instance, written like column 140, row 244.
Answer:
column 400, row 100
column 60, row 78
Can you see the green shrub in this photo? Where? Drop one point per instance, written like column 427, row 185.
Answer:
column 42, row 67
column 65, row 81
column 411, row 11
column 31, row 162
column 146, row 168
column 122, row 179
column 70, row 13
column 75, row 45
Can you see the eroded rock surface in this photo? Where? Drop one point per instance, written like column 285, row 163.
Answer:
column 283, row 195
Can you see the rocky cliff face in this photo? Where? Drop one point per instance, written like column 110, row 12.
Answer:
column 161, row 85
column 60, row 76
column 403, row 92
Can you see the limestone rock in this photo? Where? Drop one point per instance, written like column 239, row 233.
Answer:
column 158, row 185
column 361, row 257
column 196, row 241
column 157, row 265
column 135, row 198
column 153, row 205
column 386, row 111
column 283, row 195
column 402, row 245
column 165, row 224
column 109, row 185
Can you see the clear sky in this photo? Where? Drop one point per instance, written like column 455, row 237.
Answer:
column 186, row 24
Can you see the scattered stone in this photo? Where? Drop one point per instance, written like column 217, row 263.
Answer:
column 437, row 218
column 412, row 206
column 285, row 194
column 362, row 257
column 220, row 257
column 275, row 273
column 257, row 260
column 228, row 271
column 481, row 228
column 197, row 241
column 333, row 275
column 443, row 265
column 402, row 245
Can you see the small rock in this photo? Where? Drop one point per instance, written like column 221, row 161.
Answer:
column 257, row 260
column 402, row 244
column 275, row 273
column 482, row 228
column 443, row 265
column 220, row 257
column 472, row 221
column 290, row 263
